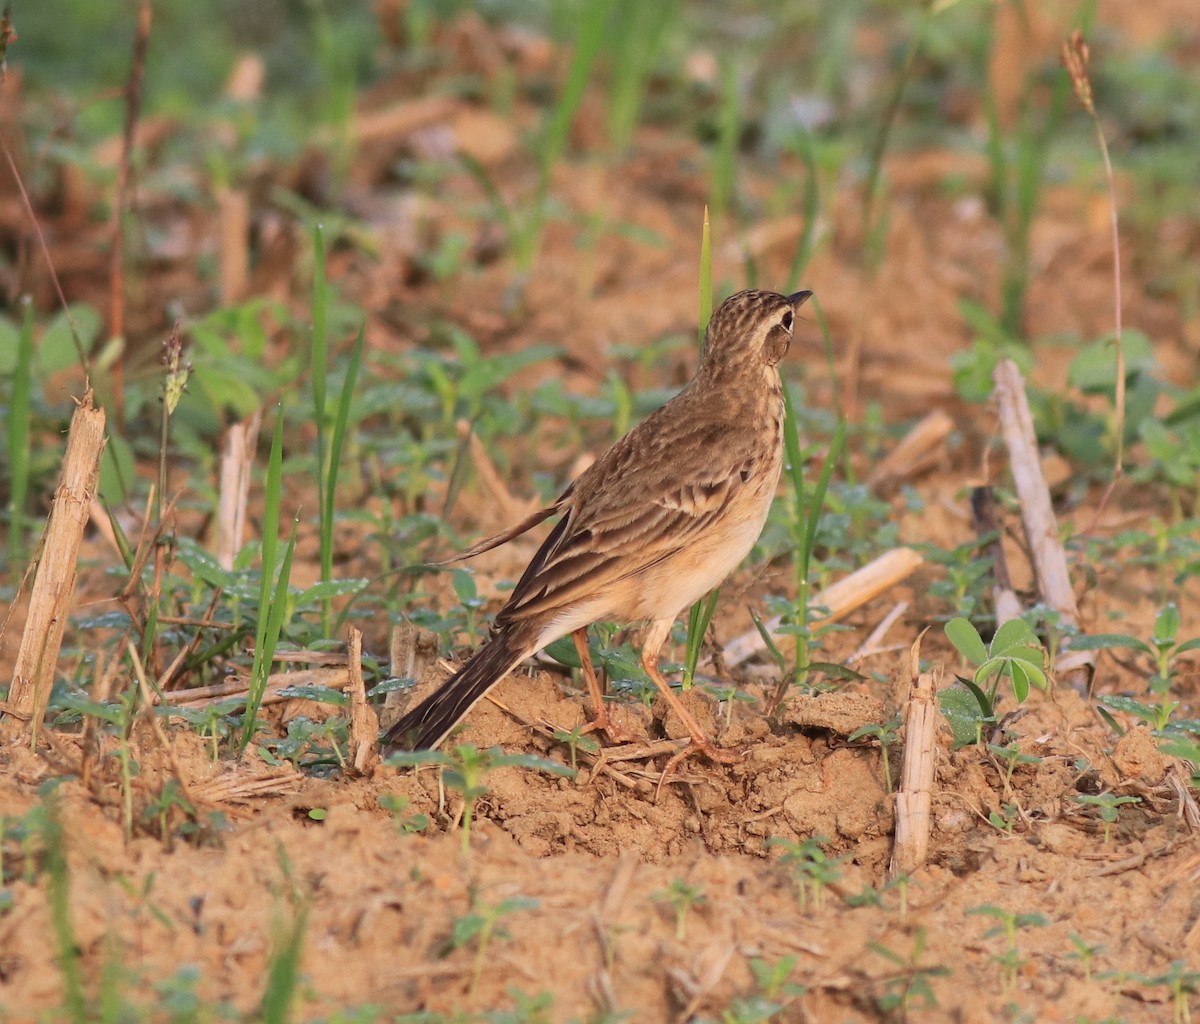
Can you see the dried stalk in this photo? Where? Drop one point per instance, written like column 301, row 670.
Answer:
column 54, row 582
column 364, row 723
column 914, row 797
column 841, row 598
column 915, row 452
column 1037, row 515
column 233, row 488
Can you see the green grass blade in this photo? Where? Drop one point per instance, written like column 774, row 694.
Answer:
column 818, row 501
column 706, row 291
column 812, row 205
column 587, row 45
column 698, row 622
column 274, row 626
column 724, row 168
column 640, row 29
column 18, row 437
column 318, row 374
column 59, row 895
column 698, row 618
column 791, row 450
column 283, row 971
column 329, row 494
column 270, row 545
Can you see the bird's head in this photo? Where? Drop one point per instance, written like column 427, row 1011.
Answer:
column 751, row 328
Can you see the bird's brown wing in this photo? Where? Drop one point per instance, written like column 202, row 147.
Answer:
column 626, row 515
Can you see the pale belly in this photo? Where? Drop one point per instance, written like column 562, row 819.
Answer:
column 665, row 590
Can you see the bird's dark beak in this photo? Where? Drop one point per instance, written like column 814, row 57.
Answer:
column 798, row 299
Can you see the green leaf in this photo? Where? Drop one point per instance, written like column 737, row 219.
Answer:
column 1130, row 706
column 116, row 470
column 1105, row 641
column 1020, row 680
column 331, row 588
column 961, row 709
column 989, row 668
column 563, row 651
column 464, row 585
column 201, row 564
column 1166, row 625
column 416, row 758
column 1094, row 369
column 966, row 640
column 323, row 694
column 1013, row 634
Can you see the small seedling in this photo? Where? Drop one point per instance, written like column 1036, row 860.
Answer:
column 1164, row 647
column 1014, row 653
column 480, row 927
column 885, row 734
column 966, row 574
column 1010, row 754
column 911, row 982
column 1180, row 982
column 574, row 740
column 811, row 869
column 1084, row 953
column 465, row 769
column 1109, row 805
column 682, row 898
column 405, row 820
column 1010, row 925
column 727, row 696
column 1005, row 819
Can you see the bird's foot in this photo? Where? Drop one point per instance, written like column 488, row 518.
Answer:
column 702, row 745
column 602, row 723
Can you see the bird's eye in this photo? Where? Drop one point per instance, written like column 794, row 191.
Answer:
column 787, row 321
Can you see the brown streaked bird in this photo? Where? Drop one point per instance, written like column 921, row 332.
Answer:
column 656, row 523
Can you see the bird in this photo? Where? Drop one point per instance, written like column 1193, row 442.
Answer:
column 658, row 521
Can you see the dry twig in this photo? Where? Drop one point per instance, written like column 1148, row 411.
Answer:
column 364, row 723
column 841, row 598
column 54, row 582
column 1037, row 515
column 914, row 797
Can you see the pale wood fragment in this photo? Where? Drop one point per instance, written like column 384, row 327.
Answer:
column 233, row 488
column 915, row 452
column 1037, row 516
column 364, row 723
column 54, row 580
column 914, row 796
column 841, row 598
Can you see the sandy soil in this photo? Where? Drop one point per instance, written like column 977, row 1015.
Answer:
column 586, row 881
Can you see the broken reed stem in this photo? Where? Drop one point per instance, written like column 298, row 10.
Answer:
column 914, row 797
column 54, row 580
column 364, row 723
column 1037, row 513
column 233, row 488
column 917, row 450
column 839, row 598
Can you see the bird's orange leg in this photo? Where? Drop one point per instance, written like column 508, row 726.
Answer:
column 600, row 719
column 700, row 744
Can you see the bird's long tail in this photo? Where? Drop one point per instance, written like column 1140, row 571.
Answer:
column 431, row 721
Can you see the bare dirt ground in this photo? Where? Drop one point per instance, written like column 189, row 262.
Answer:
column 583, row 879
